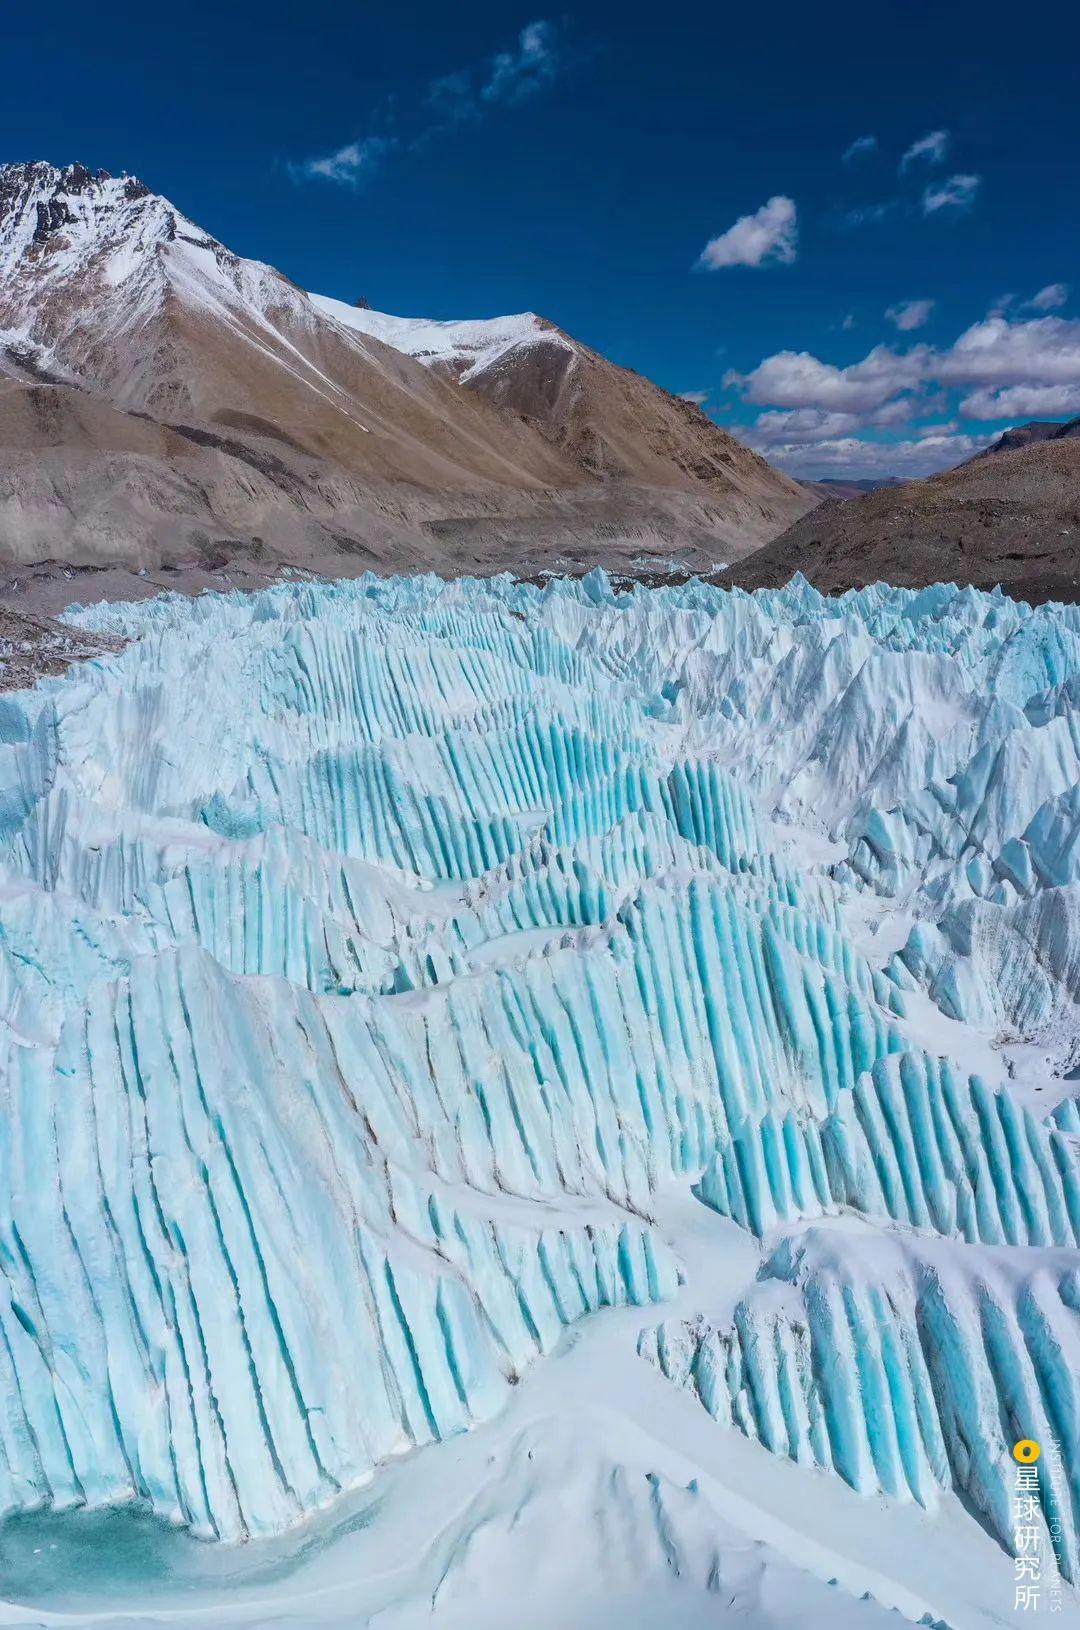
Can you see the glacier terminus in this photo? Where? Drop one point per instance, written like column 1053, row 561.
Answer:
column 541, row 1106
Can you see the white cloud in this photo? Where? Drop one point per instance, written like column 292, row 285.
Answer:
column 909, row 314
column 517, row 74
column 848, row 322
column 771, row 234
column 861, row 147
column 793, row 379
column 807, row 427
column 508, row 77
column 699, row 398
column 1050, row 298
column 351, row 165
column 452, row 99
column 929, row 149
column 819, row 418
column 822, row 419
column 451, row 95
column 1023, row 402
column 996, row 353
column 801, row 427
column 854, row 458
column 993, row 354
column 898, row 412
column 958, row 192
column 1003, row 370
column 867, row 214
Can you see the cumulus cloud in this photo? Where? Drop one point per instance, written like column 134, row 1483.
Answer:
column 769, row 235
column 1023, row 402
column 516, row 74
column 1021, row 361
column 1000, row 370
column 993, row 355
column 822, row 419
column 898, row 412
column 996, row 353
column 854, row 458
column 958, row 192
column 801, row 427
column 806, row 427
column 929, row 149
column 909, row 314
column 793, row 379
column 699, row 398
column 1050, row 298
column 351, row 165
column 861, row 147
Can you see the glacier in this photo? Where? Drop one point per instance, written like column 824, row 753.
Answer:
column 379, row 958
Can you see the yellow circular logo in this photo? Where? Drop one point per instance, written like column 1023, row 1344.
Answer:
column 1027, row 1451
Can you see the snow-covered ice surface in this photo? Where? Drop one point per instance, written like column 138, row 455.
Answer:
column 540, row 1107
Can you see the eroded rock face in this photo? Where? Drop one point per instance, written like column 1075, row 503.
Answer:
column 375, row 954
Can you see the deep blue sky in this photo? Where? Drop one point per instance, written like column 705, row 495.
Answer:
column 584, row 176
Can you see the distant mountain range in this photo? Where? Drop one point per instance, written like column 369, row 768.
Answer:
column 1010, row 516
column 836, row 487
column 166, row 405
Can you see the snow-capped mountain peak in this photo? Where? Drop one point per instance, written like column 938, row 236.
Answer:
column 56, row 222
column 90, row 262
column 466, row 348
column 107, row 286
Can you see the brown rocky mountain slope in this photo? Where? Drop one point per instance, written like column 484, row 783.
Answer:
column 1012, row 520
column 165, row 404
column 1022, row 435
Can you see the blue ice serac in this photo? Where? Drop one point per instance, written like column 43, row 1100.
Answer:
column 351, row 933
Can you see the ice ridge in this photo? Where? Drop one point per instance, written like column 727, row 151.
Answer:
column 374, row 954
